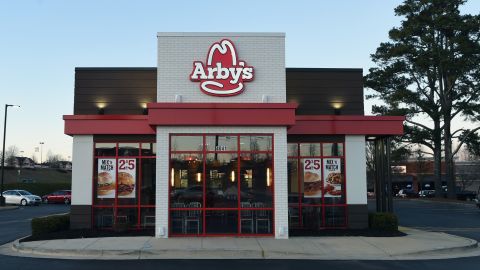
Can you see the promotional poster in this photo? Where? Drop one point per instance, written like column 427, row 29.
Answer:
column 127, row 168
column 333, row 178
column 106, row 178
column 312, row 178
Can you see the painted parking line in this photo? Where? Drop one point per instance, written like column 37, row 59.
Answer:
column 444, row 229
column 15, row 221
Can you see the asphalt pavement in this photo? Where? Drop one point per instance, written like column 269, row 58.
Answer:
column 15, row 223
column 457, row 218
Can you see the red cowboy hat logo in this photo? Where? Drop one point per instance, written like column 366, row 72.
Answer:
column 222, row 74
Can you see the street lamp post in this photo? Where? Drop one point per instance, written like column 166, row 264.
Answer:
column 2, row 199
column 41, row 153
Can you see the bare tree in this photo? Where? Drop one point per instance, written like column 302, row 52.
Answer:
column 10, row 155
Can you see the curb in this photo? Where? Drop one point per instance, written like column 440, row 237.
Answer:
column 220, row 253
column 473, row 244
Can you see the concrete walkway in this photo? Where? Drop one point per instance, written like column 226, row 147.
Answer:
column 416, row 245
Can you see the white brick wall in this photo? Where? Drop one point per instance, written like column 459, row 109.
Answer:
column 280, row 172
column 356, row 169
column 177, row 52
column 82, row 170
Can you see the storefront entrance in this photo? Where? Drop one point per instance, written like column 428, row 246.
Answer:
column 221, row 184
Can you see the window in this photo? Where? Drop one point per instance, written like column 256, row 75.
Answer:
column 124, row 184
column 316, row 185
column 221, row 184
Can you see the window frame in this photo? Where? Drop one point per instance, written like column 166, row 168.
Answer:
column 300, row 205
column 204, row 209
column 138, row 206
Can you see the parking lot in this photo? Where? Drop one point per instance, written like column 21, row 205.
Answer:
column 459, row 218
column 15, row 223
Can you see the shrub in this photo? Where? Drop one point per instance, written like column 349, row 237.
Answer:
column 383, row 221
column 49, row 224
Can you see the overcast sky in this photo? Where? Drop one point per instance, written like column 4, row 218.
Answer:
column 43, row 41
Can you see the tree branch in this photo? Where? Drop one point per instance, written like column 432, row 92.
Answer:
column 418, row 124
column 463, row 141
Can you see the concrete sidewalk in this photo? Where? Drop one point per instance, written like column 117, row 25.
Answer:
column 416, row 245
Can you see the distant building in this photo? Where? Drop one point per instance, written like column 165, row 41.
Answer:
column 65, row 165
column 418, row 175
column 23, row 162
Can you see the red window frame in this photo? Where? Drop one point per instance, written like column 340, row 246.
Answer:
column 204, row 209
column 115, row 206
column 300, row 205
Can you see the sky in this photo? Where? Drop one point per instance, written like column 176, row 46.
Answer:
column 43, row 41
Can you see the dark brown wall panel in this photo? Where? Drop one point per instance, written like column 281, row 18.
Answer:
column 80, row 217
column 315, row 90
column 122, row 90
column 357, row 216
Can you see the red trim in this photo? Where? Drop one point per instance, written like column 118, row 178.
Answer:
column 105, row 117
column 233, row 114
column 107, row 124
column 170, row 105
column 347, row 125
column 221, row 114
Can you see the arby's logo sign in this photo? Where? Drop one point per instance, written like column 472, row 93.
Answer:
column 223, row 74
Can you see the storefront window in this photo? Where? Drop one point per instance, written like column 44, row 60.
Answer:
column 221, row 143
column 256, row 180
column 147, row 189
column 318, row 179
column 128, row 149
column 209, row 185
column 186, row 143
column 256, row 143
column 309, row 149
column 106, row 149
column 293, row 187
column 221, row 186
column 186, row 179
column 292, row 149
column 124, row 181
column 332, row 149
column 149, row 149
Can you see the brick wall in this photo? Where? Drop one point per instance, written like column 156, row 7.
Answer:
column 177, row 52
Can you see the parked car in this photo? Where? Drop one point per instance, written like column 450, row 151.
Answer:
column 478, row 201
column 21, row 197
column 407, row 193
column 61, row 196
column 426, row 193
column 465, row 195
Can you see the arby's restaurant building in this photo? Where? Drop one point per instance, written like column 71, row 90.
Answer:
column 221, row 139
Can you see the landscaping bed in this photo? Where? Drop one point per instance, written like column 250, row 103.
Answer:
column 85, row 233
column 346, row 232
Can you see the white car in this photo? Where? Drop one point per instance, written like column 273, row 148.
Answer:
column 21, row 197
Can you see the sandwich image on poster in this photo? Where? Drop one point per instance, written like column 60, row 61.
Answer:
column 312, row 178
column 106, row 178
column 333, row 178
column 127, row 169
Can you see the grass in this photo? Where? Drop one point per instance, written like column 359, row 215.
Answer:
column 44, row 181
column 14, row 175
